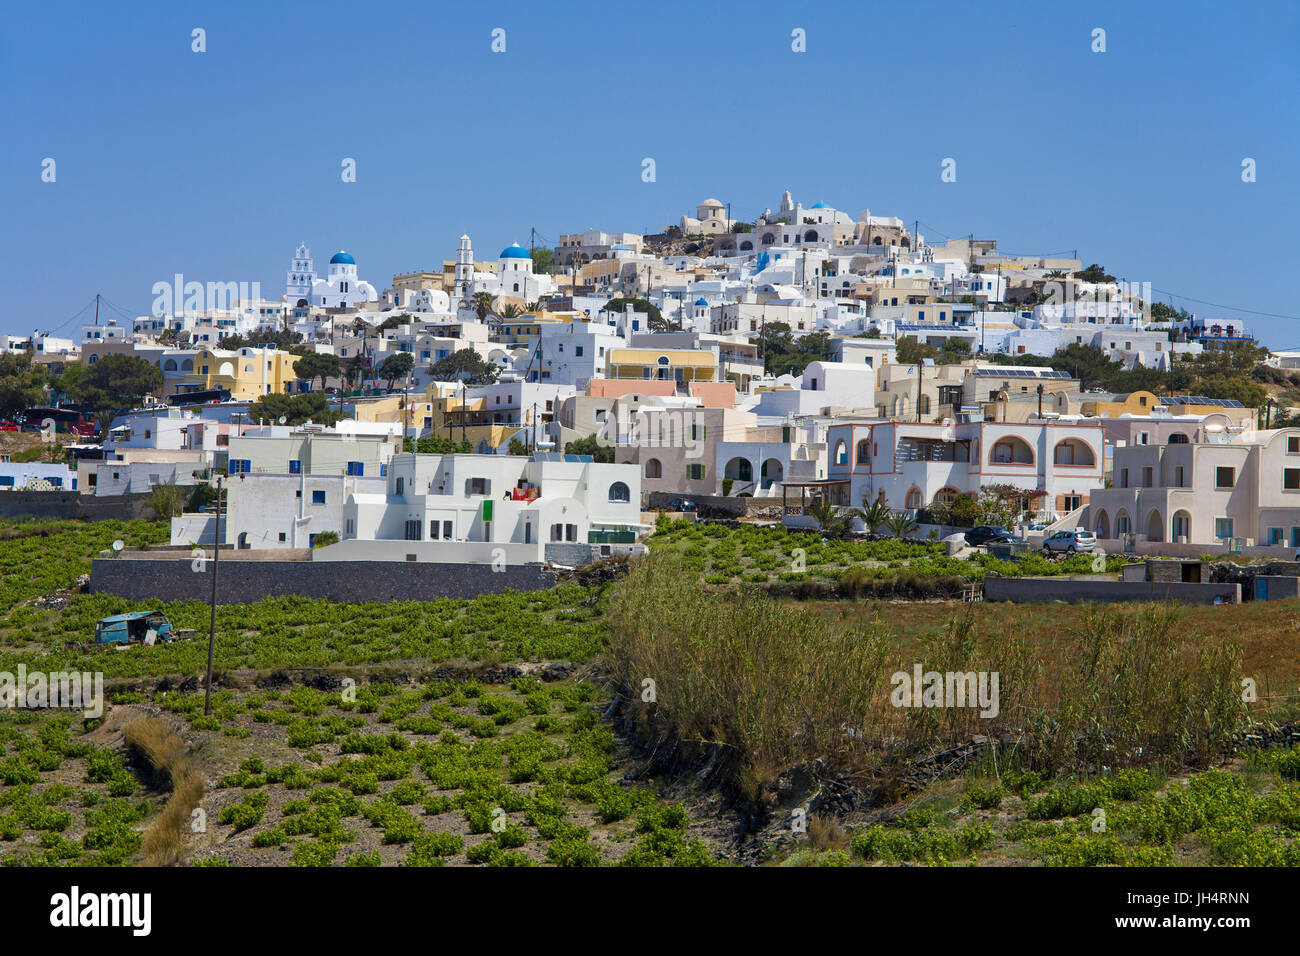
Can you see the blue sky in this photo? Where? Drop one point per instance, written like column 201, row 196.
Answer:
column 216, row 165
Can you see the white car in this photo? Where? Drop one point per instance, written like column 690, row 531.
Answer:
column 1070, row 542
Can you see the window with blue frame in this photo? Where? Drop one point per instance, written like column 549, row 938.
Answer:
column 56, row 482
column 383, row 471
column 295, row 466
column 1223, row 528
column 318, row 497
column 356, row 468
column 241, row 466
column 6, row 481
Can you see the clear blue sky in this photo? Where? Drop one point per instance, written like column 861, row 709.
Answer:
column 217, row 164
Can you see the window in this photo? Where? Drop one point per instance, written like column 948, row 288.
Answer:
column 1224, row 477
column 1123, row 477
column 570, row 532
column 478, row 486
column 1223, row 528
column 618, row 491
column 318, row 497
column 577, row 351
column 1291, row 479
column 913, row 500
column 238, row 466
column 695, row 472
column 446, row 530
column 356, row 468
column 351, row 527
column 282, row 534
column 1275, row 536
column 1146, row 477
column 1295, row 537
column 654, row 468
column 401, row 486
column 433, row 530
column 1178, row 477
column 295, row 466
column 1293, row 444
column 413, row 529
column 557, row 532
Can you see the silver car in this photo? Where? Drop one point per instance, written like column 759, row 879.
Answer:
column 1070, row 542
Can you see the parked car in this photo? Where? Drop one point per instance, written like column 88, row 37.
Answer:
column 987, row 534
column 8, row 426
column 683, row 504
column 1069, row 542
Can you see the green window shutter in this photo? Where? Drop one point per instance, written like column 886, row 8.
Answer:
column 487, row 509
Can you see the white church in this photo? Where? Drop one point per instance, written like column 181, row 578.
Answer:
column 340, row 290
column 514, row 278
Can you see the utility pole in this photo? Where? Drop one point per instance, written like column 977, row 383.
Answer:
column 1040, row 401
column 97, row 308
column 212, row 626
column 920, row 370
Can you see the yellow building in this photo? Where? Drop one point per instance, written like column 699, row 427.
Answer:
column 247, row 373
column 1134, row 403
column 671, row 365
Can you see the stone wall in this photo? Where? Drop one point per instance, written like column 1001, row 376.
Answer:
column 353, row 582
column 768, row 509
column 72, row 504
column 1034, row 590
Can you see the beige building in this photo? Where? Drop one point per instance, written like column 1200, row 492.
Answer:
column 1208, row 492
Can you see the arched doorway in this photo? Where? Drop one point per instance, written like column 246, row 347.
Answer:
column 1102, row 524
column 1155, row 527
column 771, row 471
column 1182, row 526
column 739, row 469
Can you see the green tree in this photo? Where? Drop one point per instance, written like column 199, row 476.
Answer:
column 964, row 511
column 901, row 524
column 517, row 448
column 166, row 500
column 437, row 445
column 117, row 382
column 22, row 384
column 874, row 515
column 834, row 521
column 294, row 409
column 910, row 351
column 398, row 365
column 589, row 446
column 543, row 260
column 465, row 365
column 1094, row 273
column 316, row 365
column 482, row 305
column 323, row 539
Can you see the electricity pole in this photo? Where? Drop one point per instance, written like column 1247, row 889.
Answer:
column 212, row 626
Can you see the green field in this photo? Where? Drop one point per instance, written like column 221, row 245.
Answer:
column 476, row 732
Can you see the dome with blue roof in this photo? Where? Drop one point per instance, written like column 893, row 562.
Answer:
column 701, row 301
column 619, row 246
column 514, row 251
column 342, row 258
column 818, row 205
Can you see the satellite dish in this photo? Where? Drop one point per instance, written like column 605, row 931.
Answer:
column 281, row 419
column 117, row 545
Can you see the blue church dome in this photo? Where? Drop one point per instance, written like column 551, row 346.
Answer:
column 701, row 301
column 514, row 252
column 818, row 205
column 342, row 258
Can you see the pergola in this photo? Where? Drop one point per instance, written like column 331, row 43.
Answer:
column 835, row 490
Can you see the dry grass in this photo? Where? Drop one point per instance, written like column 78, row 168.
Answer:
column 781, row 684
column 167, row 754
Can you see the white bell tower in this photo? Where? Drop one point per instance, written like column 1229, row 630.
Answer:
column 464, row 270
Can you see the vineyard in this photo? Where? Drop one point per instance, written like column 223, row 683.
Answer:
column 508, row 731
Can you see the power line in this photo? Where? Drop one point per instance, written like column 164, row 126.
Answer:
column 1234, row 308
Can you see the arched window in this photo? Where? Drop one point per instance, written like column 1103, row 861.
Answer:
column 841, row 453
column 1122, row 524
column 1072, row 451
column 1178, row 438
column 654, row 468
column 923, row 404
column 913, row 500
column 619, row 492
column 864, row 451
column 810, row 235
column 946, row 495
column 1011, row 451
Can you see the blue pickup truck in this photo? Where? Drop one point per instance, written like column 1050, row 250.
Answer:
column 138, row 627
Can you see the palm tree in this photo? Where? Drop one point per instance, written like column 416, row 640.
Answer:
column 533, row 306
column 874, row 514
column 511, row 312
column 482, row 304
column 832, row 520
column 900, row 524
